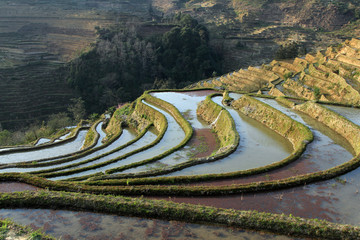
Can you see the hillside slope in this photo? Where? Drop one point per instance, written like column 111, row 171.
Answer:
column 249, row 32
column 327, row 76
column 36, row 39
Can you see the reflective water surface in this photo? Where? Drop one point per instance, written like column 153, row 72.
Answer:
column 256, row 141
column 333, row 200
column 187, row 103
column 57, row 150
column 126, row 136
column 69, row 225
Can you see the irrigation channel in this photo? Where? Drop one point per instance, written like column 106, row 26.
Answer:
column 333, row 200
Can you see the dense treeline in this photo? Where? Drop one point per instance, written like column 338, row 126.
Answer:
column 123, row 64
column 290, row 50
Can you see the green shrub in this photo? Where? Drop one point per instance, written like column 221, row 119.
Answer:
column 317, row 93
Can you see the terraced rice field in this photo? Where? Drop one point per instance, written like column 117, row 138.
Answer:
column 236, row 154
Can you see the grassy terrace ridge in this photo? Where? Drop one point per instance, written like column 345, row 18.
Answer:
column 63, row 158
column 142, row 111
column 327, row 76
column 275, row 223
column 221, row 121
column 227, row 130
column 114, row 132
column 299, row 144
column 346, row 128
column 49, row 171
column 72, row 137
column 185, row 125
column 277, row 121
column 114, row 126
column 92, row 136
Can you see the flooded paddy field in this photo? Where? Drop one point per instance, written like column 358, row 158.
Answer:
column 69, row 225
column 332, row 200
column 55, row 151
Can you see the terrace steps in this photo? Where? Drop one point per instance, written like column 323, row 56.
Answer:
column 48, row 94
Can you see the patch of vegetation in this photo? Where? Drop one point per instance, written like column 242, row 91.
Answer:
column 221, row 121
column 9, row 229
column 92, row 136
column 226, row 98
column 341, row 125
column 54, row 127
column 288, row 75
column 290, row 129
column 124, row 63
column 290, row 50
column 317, row 93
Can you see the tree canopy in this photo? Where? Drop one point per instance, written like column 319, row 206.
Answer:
column 123, row 64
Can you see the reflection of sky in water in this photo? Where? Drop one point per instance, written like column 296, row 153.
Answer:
column 145, row 140
column 333, row 200
column 59, row 150
column 125, row 137
column 64, row 136
column 256, row 141
column 42, row 141
column 172, row 137
column 187, row 105
column 324, row 151
column 102, row 134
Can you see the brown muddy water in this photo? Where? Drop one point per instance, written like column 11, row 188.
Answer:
column 6, row 187
column 203, row 143
column 70, row 225
column 333, row 200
